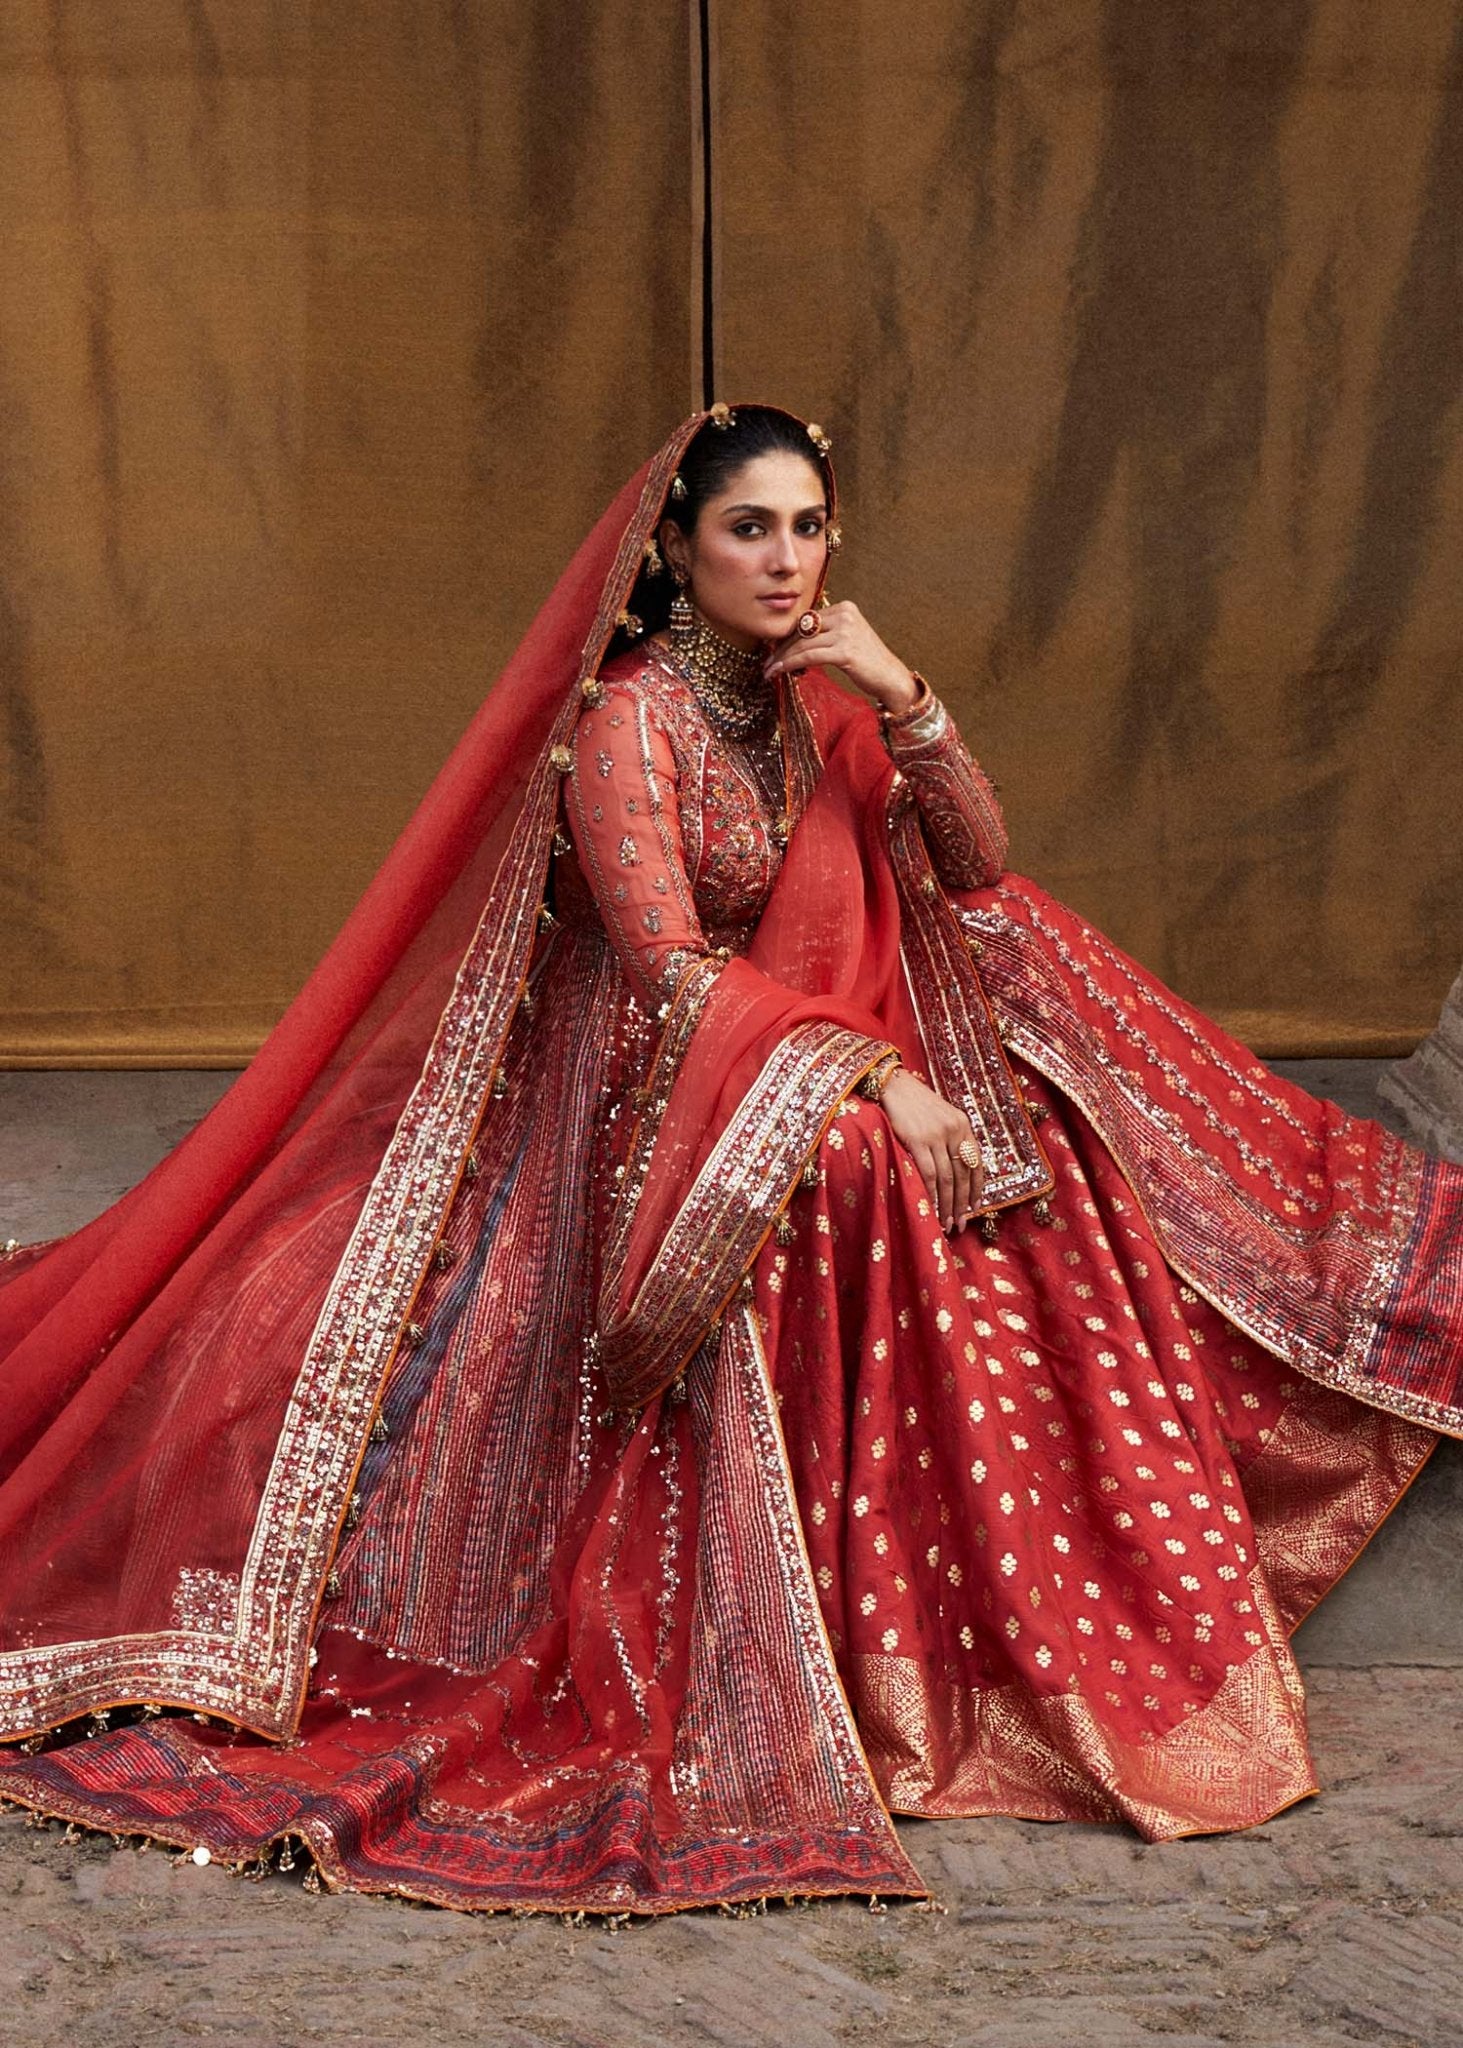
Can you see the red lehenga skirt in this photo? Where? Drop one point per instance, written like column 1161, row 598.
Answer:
column 931, row 1527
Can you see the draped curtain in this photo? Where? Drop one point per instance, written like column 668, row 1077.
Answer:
column 326, row 330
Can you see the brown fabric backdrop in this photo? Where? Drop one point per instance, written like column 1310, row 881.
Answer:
column 325, row 332
column 1140, row 332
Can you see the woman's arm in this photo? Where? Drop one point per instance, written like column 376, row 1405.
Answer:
column 963, row 824
column 624, row 818
column 962, row 817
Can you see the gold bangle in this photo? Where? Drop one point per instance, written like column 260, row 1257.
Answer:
column 922, row 695
column 920, row 722
column 876, row 1080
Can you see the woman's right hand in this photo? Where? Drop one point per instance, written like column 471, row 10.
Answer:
column 933, row 1130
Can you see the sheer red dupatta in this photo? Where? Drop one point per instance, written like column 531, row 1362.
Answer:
column 190, row 1382
column 756, row 1055
column 187, row 1385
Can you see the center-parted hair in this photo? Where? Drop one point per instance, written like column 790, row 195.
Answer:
column 716, row 454
column 714, row 457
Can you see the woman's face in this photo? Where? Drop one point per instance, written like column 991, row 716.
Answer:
column 758, row 549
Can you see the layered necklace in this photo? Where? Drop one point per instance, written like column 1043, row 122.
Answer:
column 739, row 701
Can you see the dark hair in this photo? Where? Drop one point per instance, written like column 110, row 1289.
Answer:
column 714, row 455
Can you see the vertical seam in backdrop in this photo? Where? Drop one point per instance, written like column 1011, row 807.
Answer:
column 703, row 211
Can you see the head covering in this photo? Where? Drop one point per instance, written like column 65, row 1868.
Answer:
column 218, row 1339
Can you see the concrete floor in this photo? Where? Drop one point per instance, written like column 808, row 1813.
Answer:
column 71, row 1143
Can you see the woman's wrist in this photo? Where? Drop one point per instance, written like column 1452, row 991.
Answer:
column 911, row 706
column 877, row 1079
column 905, row 697
column 922, row 720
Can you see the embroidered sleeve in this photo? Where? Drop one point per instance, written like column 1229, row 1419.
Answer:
column 962, row 819
column 623, row 806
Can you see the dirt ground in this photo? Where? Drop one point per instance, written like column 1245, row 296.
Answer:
column 1337, row 1923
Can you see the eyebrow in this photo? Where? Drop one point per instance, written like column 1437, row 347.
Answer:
column 765, row 512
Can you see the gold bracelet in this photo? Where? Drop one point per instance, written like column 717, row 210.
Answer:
column 876, row 1080
column 922, row 698
column 920, row 722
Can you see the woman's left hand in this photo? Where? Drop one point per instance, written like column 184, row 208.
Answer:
column 941, row 1140
column 845, row 640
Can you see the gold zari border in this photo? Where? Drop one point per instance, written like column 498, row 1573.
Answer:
column 942, row 1750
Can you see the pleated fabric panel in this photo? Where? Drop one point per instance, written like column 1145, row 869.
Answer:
column 326, row 334
column 1140, row 337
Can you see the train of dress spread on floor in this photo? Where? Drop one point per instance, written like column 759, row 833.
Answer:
column 533, row 1443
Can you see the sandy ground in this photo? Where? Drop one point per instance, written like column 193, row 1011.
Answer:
column 1338, row 1922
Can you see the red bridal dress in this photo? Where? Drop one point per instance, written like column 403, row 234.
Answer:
column 533, row 1445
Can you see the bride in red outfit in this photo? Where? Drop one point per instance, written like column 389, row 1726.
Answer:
column 719, row 1315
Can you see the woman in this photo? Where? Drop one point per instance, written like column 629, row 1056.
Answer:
column 718, row 1315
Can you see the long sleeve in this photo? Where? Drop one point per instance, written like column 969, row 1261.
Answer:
column 624, row 819
column 963, row 825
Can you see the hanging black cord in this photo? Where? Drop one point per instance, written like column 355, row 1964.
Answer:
column 708, row 326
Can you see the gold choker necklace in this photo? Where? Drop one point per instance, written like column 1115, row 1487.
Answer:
column 735, row 695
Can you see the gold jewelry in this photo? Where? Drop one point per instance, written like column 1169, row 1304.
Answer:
column 967, row 1153
column 876, row 1080
column 819, row 439
column 683, row 612
column 654, row 566
column 923, row 720
column 809, row 624
column 678, row 486
column 729, row 684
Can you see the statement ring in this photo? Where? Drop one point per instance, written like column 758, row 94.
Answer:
column 967, row 1153
column 809, row 624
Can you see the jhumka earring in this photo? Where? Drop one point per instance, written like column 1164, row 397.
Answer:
column 683, row 612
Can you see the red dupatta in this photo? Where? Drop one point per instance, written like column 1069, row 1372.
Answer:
column 190, row 1382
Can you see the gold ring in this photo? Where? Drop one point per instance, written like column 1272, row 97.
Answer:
column 967, row 1154
column 809, row 624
